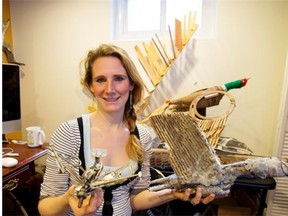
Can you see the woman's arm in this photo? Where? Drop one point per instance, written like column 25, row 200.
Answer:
column 147, row 199
column 62, row 204
column 53, row 194
column 54, row 205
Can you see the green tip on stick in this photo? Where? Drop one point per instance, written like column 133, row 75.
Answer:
column 236, row 84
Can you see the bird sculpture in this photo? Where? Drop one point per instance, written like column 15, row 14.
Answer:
column 196, row 164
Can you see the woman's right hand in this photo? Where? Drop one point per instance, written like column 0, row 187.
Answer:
column 90, row 204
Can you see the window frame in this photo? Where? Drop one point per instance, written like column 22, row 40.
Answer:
column 207, row 28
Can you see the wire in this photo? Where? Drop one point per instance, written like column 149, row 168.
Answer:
column 10, row 150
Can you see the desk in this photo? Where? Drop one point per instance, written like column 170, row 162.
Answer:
column 260, row 186
column 26, row 166
column 28, row 187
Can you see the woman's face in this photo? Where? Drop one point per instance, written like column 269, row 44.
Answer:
column 110, row 84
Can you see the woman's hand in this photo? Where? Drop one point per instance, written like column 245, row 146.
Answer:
column 184, row 196
column 90, row 204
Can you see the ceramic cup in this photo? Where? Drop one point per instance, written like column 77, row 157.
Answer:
column 35, row 136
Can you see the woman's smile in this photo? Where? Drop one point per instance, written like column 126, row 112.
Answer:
column 114, row 99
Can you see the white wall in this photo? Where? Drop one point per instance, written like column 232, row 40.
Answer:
column 51, row 37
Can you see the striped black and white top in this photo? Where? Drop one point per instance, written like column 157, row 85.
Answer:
column 66, row 141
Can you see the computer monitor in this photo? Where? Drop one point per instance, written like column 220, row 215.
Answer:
column 11, row 99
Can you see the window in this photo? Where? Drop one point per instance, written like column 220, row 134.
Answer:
column 141, row 19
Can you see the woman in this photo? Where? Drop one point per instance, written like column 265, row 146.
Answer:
column 113, row 80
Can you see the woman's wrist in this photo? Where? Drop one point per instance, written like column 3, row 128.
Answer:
column 171, row 194
column 66, row 197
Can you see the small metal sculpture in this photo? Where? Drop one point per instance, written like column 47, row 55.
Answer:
column 92, row 178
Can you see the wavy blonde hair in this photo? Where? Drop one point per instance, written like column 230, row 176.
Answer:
column 134, row 148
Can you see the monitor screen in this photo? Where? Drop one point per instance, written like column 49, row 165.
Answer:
column 11, row 100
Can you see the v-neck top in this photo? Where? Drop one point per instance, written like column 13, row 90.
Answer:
column 126, row 170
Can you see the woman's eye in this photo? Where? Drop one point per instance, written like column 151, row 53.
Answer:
column 100, row 80
column 119, row 78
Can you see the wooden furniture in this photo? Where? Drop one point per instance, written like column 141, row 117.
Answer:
column 22, row 197
column 26, row 166
column 257, row 186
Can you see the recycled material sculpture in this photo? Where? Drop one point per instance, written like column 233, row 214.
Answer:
column 195, row 162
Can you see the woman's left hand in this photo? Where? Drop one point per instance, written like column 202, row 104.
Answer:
column 185, row 196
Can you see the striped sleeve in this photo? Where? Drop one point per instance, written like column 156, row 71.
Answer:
column 66, row 142
column 146, row 140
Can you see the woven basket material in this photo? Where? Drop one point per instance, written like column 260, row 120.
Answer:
column 160, row 158
column 192, row 157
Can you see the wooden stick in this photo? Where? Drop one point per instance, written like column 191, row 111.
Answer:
column 152, row 61
column 178, row 34
column 192, row 26
column 163, row 58
column 169, row 60
column 184, row 31
column 146, row 66
column 172, row 43
column 157, row 58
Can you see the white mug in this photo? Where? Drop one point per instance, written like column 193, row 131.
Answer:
column 35, row 136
